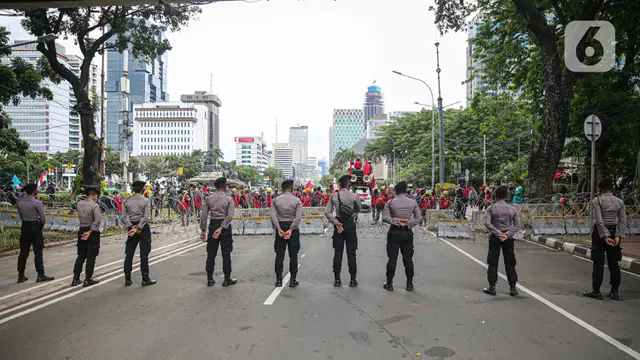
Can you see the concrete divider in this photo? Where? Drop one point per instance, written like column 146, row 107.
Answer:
column 237, row 226
column 454, row 229
column 313, row 224
column 633, row 224
column 64, row 222
column 577, row 225
column 477, row 221
column 549, row 225
column 433, row 218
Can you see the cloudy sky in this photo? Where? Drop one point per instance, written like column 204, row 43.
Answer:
column 298, row 60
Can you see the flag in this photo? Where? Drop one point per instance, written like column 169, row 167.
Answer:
column 42, row 179
column 15, row 181
column 367, row 167
column 309, row 186
column 373, row 182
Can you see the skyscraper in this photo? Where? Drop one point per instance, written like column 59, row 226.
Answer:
column 348, row 128
column 283, row 160
column 148, row 84
column 322, row 163
column 212, row 102
column 299, row 142
column 373, row 103
column 50, row 126
column 331, row 154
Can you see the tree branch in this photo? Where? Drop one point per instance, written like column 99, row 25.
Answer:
column 56, row 28
column 90, row 54
column 50, row 52
column 559, row 11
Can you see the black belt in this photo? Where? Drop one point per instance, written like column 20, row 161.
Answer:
column 31, row 223
column 285, row 225
column 403, row 228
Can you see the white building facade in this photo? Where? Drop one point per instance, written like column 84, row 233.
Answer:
column 252, row 152
column 283, row 160
column 169, row 128
column 299, row 142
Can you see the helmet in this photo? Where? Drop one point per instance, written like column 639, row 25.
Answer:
column 382, row 187
column 235, row 190
column 428, row 192
column 269, row 191
column 445, row 192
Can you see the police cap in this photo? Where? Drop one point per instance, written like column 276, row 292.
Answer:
column 138, row 186
column 220, row 183
column 287, row 184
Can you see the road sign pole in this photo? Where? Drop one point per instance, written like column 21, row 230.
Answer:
column 592, row 130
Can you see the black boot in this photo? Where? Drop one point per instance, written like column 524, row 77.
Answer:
column 293, row 283
column 22, row 278
column 388, row 285
column 127, row 279
column 491, row 290
column 593, row 294
column 337, row 282
column 613, row 294
column 278, row 280
column 228, row 281
column 76, row 280
column 146, row 281
column 512, row 290
column 43, row 278
column 210, row 281
column 409, row 284
column 353, row 282
column 90, row 281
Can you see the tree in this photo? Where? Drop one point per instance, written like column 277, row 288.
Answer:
column 248, row 174
column 275, row 176
column 154, row 167
column 136, row 167
column 341, row 159
column 112, row 164
column 18, row 79
column 326, row 180
column 521, row 43
column 135, row 28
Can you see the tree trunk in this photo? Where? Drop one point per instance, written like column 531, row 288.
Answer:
column 91, row 142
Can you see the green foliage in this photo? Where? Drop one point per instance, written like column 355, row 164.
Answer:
column 248, row 174
column 341, row 160
column 326, row 180
column 275, row 176
column 168, row 165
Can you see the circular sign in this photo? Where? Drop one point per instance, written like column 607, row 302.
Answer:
column 592, row 127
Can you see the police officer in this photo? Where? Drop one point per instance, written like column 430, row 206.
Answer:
column 286, row 215
column 403, row 214
column 220, row 208
column 88, row 238
column 346, row 205
column 503, row 222
column 610, row 226
column 136, row 212
column 33, row 219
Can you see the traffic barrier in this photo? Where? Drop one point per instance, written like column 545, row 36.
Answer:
column 10, row 218
column 548, row 225
column 577, row 225
column 633, row 225
column 433, row 217
column 454, row 229
column 477, row 221
column 237, row 226
column 65, row 222
column 312, row 225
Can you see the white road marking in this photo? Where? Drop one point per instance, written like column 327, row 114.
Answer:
column 634, row 354
column 274, row 294
column 48, row 283
column 158, row 258
column 624, row 271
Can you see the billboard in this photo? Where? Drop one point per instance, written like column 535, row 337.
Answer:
column 244, row 140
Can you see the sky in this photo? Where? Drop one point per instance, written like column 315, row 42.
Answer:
column 296, row 61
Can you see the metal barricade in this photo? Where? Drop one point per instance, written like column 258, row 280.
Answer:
column 577, row 225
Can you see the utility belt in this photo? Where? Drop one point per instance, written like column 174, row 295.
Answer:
column 32, row 223
column 399, row 228
column 285, row 225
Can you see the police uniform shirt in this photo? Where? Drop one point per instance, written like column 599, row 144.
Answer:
column 136, row 209
column 348, row 198
column 31, row 209
column 286, row 208
column 502, row 218
column 89, row 214
column 217, row 206
column 609, row 210
column 402, row 207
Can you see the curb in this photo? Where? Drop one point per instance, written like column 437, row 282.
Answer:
column 627, row 263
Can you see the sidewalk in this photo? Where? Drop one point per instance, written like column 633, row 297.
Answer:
column 580, row 245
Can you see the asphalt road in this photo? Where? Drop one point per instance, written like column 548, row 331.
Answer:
column 446, row 317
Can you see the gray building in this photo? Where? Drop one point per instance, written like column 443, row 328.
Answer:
column 213, row 104
column 373, row 104
column 148, row 84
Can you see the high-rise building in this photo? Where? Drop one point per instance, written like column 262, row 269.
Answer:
column 375, row 123
column 324, row 167
column 331, row 153
column 49, row 126
column 299, row 142
column 252, row 151
column 373, row 103
column 169, row 128
column 212, row 102
column 283, row 160
column 147, row 84
column 348, row 128
column 474, row 69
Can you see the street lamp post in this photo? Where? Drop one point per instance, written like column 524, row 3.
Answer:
column 433, row 141
column 440, row 125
